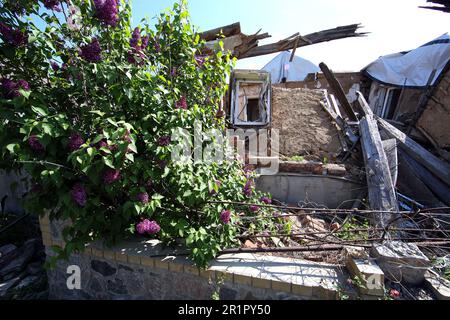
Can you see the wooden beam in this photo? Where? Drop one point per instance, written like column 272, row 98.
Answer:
column 337, row 90
column 390, row 148
column 439, row 188
column 379, row 181
column 227, row 31
column 438, row 167
column 316, row 37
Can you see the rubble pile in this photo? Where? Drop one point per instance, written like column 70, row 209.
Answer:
column 22, row 273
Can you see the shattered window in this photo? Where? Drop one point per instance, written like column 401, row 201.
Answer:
column 250, row 98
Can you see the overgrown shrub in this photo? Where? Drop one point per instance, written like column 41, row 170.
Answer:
column 88, row 106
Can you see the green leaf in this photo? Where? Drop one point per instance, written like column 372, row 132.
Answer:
column 130, row 157
column 40, row 111
column 90, row 151
column 132, row 147
column 107, row 161
column 112, row 122
column 10, row 147
column 25, row 93
column 97, row 139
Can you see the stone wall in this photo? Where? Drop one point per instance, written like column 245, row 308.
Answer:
column 140, row 269
column 436, row 117
column 304, row 126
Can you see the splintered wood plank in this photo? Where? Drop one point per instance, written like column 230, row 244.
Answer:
column 438, row 167
column 379, row 181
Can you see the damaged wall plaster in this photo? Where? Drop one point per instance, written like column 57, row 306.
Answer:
column 304, row 127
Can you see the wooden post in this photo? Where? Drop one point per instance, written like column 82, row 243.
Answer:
column 379, row 181
column 438, row 167
column 338, row 91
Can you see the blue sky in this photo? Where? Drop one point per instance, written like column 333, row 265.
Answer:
column 395, row 25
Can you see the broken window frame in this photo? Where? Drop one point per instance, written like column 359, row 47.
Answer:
column 388, row 107
column 265, row 97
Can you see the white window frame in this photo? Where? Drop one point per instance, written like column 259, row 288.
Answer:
column 235, row 102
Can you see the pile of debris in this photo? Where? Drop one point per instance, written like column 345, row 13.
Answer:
column 22, row 275
column 22, row 258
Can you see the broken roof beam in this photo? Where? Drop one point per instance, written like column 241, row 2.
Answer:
column 439, row 168
column 226, row 31
column 444, row 5
column 313, row 38
column 337, row 90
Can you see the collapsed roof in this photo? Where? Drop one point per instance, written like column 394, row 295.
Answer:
column 246, row 46
column 416, row 68
column 442, row 5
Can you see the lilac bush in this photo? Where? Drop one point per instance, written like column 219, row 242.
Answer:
column 88, row 105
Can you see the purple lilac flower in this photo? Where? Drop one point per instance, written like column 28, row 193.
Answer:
column 92, row 51
column 200, row 60
column 157, row 45
column 248, row 189
column 79, row 195
column 147, row 226
column 162, row 164
column 137, row 50
column 107, row 11
column 143, row 197
column 144, row 42
column 54, row 66
column 153, row 227
column 164, row 141
column 52, row 5
column 75, row 141
column 22, row 84
column 254, row 208
column 225, row 216
column 141, row 227
column 14, row 37
column 111, row 175
column 182, row 103
column 9, row 88
column 135, row 38
column 34, row 144
column 173, row 72
column 266, row 200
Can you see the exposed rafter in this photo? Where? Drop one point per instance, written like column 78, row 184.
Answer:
column 442, row 5
column 246, row 46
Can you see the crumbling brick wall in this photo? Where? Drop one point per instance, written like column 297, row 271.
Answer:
column 436, row 117
column 304, row 126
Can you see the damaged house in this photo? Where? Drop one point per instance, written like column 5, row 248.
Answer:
column 374, row 141
column 410, row 91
